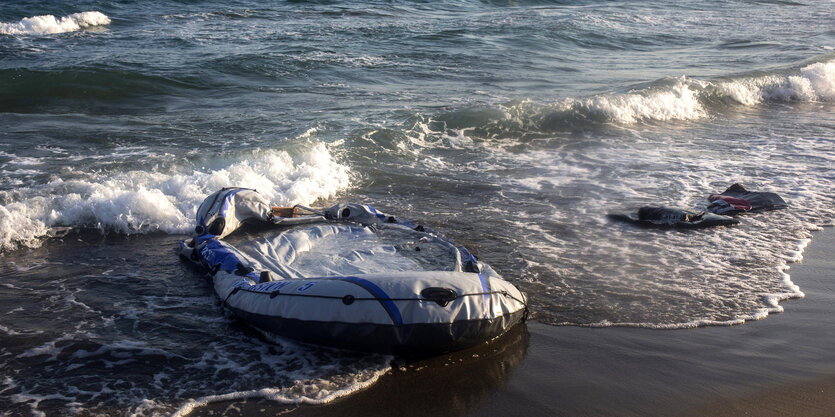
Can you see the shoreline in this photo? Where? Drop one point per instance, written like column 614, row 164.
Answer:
column 781, row 365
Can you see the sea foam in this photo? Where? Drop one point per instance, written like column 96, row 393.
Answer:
column 671, row 99
column 815, row 82
column 689, row 99
column 142, row 201
column 302, row 391
column 679, row 102
column 49, row 24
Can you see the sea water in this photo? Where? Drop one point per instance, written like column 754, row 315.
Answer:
column 510, row 126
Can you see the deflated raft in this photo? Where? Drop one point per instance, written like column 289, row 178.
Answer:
column 349, row 277
column 676, row 218
column 736, row 199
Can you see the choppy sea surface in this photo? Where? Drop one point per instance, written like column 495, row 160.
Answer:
column 512, row 127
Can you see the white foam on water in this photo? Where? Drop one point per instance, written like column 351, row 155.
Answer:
column 686, row 98
column 143, row 201
column 649, row 278
column 124, row 349
column 354, row 61
column 35, row 400
column 49, row 24
column 92, row 371
column 668, row 100
column 47, row 349
column 678, row 102
column 815, row 82
column 304, row 391
column 739, row 272
column 20, row 160
column 317, row 375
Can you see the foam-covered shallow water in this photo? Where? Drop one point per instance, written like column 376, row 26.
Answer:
column 90, row 327
column 510, row 127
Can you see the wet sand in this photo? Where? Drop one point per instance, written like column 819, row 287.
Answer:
column 783, row 365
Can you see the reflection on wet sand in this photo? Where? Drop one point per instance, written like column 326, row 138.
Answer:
column 446, row 385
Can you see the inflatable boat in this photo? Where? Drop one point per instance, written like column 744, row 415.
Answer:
column 348, row 276
column 675, row 218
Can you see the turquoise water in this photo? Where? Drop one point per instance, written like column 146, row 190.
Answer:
column 511, row 127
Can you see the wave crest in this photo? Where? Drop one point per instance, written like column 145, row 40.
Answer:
column 140, row 201
column 677, row 102
column 690, row 99
column 815, row 82
column 666, row 100
column 49, row 24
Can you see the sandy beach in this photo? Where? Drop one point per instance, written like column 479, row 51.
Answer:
column 780, row 366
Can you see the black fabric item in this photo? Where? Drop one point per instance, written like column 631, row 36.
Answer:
column 674, row 218
column 665, row 214
column 759, row 200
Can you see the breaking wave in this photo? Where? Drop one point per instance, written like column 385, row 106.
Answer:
column 141, row 201
column 815, row 82
column 49, row 24
column 690, row 99
column 666, row 100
